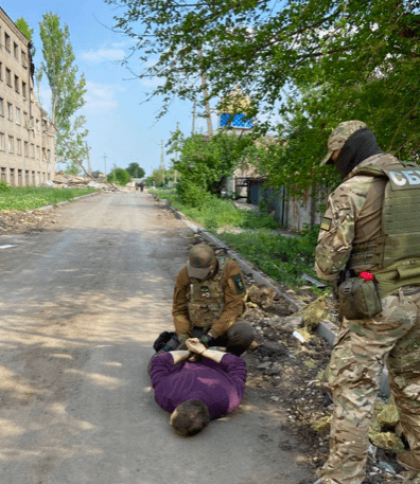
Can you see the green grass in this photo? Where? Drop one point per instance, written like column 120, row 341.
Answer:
column 282, row 258
column 220, row 213
column 30, row 198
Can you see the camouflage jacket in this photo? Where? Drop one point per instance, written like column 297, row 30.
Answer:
column 349, row 219
column 219, row 308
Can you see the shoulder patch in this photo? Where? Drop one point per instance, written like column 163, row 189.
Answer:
column 238, row 283
column 326, row 223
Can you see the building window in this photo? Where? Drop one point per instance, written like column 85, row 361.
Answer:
column 12, row 177
column 38, row 153
column 11, row 144
column 26, row 148
column 24, row 59
column 27, row 182
column 10, row 112
column 37, row 125
column 19, row 146
column 1, row 106
column 7, row 41
column 1, row 71
column 2, row 141
column 8, row 77
column 32, row 150
column 3, row 174
column 24, row 89
column 49, row 155
column 25, row 119
column 44, row 154
column 16, row 51
column 17, row 115
column 17, row 84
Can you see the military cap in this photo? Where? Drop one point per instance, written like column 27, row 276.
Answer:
column 339, row 137
column 201, row 261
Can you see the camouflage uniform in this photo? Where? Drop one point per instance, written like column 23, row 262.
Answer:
column 353, row 217
column 214, row 306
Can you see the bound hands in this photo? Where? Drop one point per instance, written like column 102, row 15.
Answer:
column 194, row 345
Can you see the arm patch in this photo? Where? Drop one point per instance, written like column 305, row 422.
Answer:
column 238, row 283
column 326, row 224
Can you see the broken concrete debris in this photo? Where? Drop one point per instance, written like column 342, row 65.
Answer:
column 63, row 180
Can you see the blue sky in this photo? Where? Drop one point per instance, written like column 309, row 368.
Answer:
column 120, row 124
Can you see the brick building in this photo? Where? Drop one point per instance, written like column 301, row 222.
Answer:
column 27, row 155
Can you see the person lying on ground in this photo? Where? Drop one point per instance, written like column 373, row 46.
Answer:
column 197, row 390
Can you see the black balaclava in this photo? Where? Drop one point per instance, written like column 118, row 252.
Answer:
column 360, row 146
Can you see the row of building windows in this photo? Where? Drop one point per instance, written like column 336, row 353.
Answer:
column 29, row 149
column 16, row 176
column 16, row 51
column 13, row 80
column 16, row 115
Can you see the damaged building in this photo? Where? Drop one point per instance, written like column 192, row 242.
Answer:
column 27, row 155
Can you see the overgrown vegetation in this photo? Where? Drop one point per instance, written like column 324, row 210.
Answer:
column 119, row 176
column 30, row 198
column 282, row 258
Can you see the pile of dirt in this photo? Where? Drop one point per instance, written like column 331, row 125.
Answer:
column 63, row 180
column 26, row 222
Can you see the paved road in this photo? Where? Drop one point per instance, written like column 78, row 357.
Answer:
column 79, row 309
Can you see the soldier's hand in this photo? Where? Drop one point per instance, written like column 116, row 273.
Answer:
column 207, row 340
column 194, row 345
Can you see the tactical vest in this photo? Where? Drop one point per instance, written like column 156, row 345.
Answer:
column 206, row 298
column 395, row 254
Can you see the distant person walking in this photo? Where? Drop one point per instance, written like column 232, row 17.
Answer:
column 142, row 185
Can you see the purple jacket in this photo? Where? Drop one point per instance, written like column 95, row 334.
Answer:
column 219, row 385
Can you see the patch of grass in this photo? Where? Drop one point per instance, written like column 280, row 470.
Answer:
column 282, row 258
column 220, row 213
column 30, row 198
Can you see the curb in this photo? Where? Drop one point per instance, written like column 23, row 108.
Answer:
column 64, row 202
column 325, row 329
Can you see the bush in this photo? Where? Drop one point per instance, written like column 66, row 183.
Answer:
column 119, row 176
column 4, row 187
column 192, row 194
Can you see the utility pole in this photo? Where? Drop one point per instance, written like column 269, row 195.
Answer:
column 88, row 159
column 105, row 157
column 162, row 158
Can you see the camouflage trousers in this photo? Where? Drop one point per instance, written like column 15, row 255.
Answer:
column 361, row 350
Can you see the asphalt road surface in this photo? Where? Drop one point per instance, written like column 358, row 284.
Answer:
column 80, row 306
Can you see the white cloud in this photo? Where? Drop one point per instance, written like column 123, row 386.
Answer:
column 103, row 55
column 101, row 97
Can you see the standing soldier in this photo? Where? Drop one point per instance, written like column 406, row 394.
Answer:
column 369, row 247
column 209, row 300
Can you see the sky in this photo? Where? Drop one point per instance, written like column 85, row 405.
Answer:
column 121, row 126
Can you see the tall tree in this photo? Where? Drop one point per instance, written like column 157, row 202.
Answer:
column 135, row 170
column 67, row 90
column 315, row 63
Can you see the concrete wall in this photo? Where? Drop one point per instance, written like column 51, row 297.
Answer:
column 27, row 154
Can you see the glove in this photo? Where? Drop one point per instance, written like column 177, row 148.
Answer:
column 207, row 340
column 171, row 345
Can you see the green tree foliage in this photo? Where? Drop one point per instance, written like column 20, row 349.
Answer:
column 135, row 170
column 67, row 90
column 314, row 63
column 23, row 26
column 119, row 176
column 161, row 177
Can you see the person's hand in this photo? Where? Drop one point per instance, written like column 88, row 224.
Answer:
column 194, row 345
column 207, row 340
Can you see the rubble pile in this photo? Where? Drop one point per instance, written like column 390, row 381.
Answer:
column 63, row 180
column 26, row 222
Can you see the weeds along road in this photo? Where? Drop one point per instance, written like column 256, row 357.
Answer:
column 80, row 307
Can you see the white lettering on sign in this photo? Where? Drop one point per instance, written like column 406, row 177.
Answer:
column 411, row 177
column 398, row 181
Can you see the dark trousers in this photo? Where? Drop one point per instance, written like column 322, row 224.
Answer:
column 237, row 338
